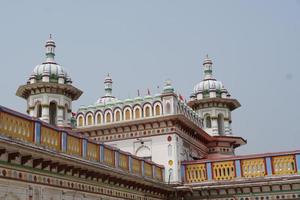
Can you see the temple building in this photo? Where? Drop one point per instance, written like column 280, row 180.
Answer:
column 152, row 147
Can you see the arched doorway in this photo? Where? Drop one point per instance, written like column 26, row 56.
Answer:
column 52, row 113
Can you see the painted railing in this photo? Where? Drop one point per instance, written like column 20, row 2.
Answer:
column 252, row 166
column 20, row 127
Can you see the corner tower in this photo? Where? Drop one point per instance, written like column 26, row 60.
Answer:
column 211, row 100
column 49, row 91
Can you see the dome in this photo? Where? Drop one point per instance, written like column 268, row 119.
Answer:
column 209, row 84
column 50, row 68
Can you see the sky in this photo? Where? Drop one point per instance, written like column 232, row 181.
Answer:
column 255, row 47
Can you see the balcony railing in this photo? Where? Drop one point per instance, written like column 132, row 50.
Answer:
column 19, row 127
column 238, row 167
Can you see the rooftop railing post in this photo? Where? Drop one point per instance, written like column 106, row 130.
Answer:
column 143, row 167
column 64, row 142
column 117, row 154
column 183, row 171
column 37, row 133
column 297, row 157
column 269, row 168
column 84, row 148
column 130, row 163
column 209, row 171
column 238, row 171
column 101, row 153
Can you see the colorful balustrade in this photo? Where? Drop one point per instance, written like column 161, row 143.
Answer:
column 136, row 166
column 19, row 127
column 124, row 161
column 242, row 167
column 16, row 127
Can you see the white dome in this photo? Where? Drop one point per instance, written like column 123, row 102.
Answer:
column 50, row 68
column 208, row 85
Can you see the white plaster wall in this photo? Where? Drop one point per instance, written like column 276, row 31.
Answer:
column 45, row 99
column 159, row 152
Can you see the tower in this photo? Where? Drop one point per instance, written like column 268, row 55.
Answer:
column 108, row 97
column 49, row 91
column 211, row 100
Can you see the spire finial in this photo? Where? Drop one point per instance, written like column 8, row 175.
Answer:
column 207, row 65
column 108, row 85
column 50, row 50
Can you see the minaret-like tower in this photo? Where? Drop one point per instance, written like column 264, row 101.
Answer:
column 49, row 91
column 212, row 101
column 108, row 97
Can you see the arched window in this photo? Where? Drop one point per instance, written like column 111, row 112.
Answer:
column 108, row 117
column 89, row 120
column 221, row 124
column 157, row 110
column 80, row 121
column 207, row 121
column 99, row 118
column 144, row 152
column 147, row 111
column 38, row 110
column 137, row 113
column 127, row 114
column 118, row 115
column 52, row 113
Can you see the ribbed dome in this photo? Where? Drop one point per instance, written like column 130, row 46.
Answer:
column 209, row 84
column 50, row 68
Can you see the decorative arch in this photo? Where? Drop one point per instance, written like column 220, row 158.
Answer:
column 137, row 112
column 118, row 114
column 53, row 112
column 98, row 117
column 108, row 116
column 157, row 109
column 89, row 119
column 127, row 113
column 144, row 152
column 147, row 110
column 80, row 120
column 207, row 121
column 38, row 109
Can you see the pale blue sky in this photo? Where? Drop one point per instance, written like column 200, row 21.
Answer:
column 255, row 47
